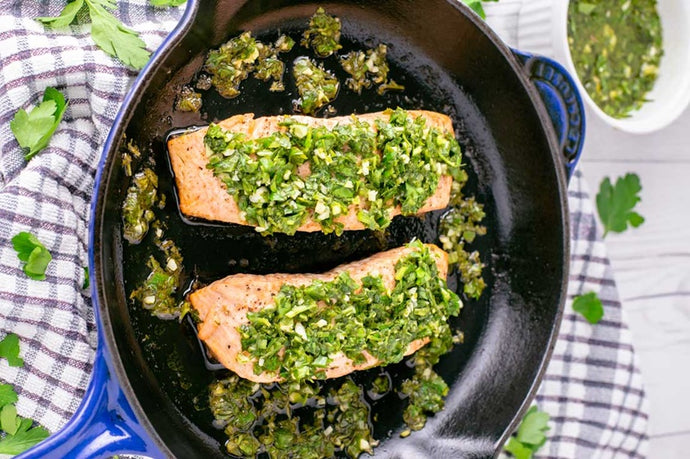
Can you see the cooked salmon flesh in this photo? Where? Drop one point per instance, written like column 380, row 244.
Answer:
column 203, row 195
column 223, row 307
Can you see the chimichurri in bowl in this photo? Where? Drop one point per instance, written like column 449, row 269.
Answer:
column 616, row 47
column 631, row 58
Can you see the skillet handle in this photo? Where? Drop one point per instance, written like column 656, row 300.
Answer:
column 103, row 426
column 563, row 103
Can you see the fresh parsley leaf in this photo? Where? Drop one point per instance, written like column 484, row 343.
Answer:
column 106, row 30
column 85, row 285
column 9, row 349
column 66, row 17
column 8, row 419
column 517, row 449
column 530, row 435
column 161, row 3
column 616, row 203
column 19, row 436
column 23, row 439
column 590, row 306
column 476, row 6
column 113, row 37
column 7, row 394
column 533, row 427
column 33, row 130
column 30, row 250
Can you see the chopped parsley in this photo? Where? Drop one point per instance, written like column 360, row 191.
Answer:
column 269, row 65
column 298, row 338
column 616, row 48
column 241, row 56
column 264, row 418
column 396, row 162
column 232, row 63
column 317, row 86
column 137, row 208
column 188, row 100
column 33, row 253
column 460, row 225
column 158, row 293
column 367, row 68
column 323, row 34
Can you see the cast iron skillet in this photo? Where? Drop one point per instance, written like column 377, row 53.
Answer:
column 520, row 139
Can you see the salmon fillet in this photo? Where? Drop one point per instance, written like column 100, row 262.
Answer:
column 223, row 308
column 201, row 194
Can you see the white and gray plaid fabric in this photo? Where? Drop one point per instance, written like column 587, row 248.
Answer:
column 592, row 388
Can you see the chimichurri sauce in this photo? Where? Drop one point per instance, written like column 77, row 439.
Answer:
column 616, row 47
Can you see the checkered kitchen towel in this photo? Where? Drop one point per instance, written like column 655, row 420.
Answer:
column 592, row 388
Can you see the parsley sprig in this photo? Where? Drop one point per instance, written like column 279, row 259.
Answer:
column 34, row 129
column 530, row 435
column 590, row 306
column 9, row 350
column 107, row 31
column 163, row 3
column 615, row 203
column 476, row 6
column 33, row 253
column 19, row 435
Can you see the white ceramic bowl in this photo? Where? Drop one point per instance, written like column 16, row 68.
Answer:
column 543, row 29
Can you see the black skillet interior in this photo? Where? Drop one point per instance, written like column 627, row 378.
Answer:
column 447, row 63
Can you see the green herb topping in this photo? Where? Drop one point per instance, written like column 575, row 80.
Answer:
column 268, row 417
column 426, row 392
column 460, row 225
column 234, row 61
column 137, row 209
column 323, row 34
column 393, row 163
column 317, row 87
column 33, row 130
column 367, row 68
column 188, row 100
column 231, row 64
column 269, row 66
column 34, row 255
column 298, row 338
column 265, row 418
column 158, row 293
column 129, row 151
column 616, row 48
